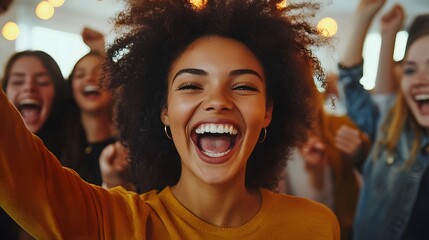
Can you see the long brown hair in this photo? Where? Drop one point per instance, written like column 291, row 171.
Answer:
column 399, row 117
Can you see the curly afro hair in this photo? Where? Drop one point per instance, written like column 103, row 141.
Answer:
column 155, row 32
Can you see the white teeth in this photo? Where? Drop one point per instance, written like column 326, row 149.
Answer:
column 213, row 128
column 216, row 128
column 422, row 97
column 29, row 101
column 216, row 154
column 90, row 88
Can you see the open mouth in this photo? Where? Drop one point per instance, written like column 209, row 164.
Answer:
column 91, row 90
column 423, row 103
column 30, row 109
column 215, row 140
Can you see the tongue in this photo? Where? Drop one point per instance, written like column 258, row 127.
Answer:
column 424, row 108
column 215, row 144
column 30, row 114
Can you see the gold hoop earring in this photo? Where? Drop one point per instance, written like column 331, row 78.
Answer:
column 166, row 132
column 264, row 137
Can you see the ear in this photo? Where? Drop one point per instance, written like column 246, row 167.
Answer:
column 268, row 114
column 164, row 116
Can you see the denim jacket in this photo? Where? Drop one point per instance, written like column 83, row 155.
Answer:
column 390, row 187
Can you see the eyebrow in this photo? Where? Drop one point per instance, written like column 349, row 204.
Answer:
column 412, row 62
column 244, row 71
column 193, row 71
column 200, row 72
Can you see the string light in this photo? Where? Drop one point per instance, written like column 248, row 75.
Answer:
column 328, row 27
column 198, row 3
column 282, row 4
column 10, row 31
column 44, row 10
column 56, row 3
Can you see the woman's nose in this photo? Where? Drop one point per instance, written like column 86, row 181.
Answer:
column 29, row 85
column 92, row 77
column 218, row 100
column 422, row 77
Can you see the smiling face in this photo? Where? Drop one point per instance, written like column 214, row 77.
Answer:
column 31, row 90
column 415, row 80
column 86, row 91
column 216, row 108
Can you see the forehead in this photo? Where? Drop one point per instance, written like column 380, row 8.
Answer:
column 89, row 61
column 419, row 50
column 28, row 64
column 217, row 52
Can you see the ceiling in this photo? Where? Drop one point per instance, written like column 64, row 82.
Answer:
column 106, row 9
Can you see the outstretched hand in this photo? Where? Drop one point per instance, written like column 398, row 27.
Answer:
column 348, row 141
column 94, row 40
column 114, row 166
column 369, row 7
column 313, row 152
column 393, row 20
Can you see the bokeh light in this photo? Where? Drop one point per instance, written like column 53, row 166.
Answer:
column 44, row 10
column 10, row 31
column 328, row 27
column 56, row 3
column 282, row 4
column 198, row 3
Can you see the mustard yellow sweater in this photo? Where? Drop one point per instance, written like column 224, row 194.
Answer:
column 52, row 202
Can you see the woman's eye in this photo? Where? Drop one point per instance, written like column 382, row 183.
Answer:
column 16, row 82
column 189, row 86
column 44, row 83
column 79, row 74
column 245, row 87
column 409, row 71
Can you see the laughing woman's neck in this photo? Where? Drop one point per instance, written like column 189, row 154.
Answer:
column 98, row 127
column 222, row 205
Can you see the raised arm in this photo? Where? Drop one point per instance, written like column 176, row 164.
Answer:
column 391, row 23
column 94, row 40
column 48, row 201
column 359, row 22
column 359, row 104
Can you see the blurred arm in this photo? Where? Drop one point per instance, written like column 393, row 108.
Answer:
column 360, row 22
column 391, row 23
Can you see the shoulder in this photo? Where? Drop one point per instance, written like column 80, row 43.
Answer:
column 300, row 206
column 303, row 213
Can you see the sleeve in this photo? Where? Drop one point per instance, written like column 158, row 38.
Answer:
column 360, row 107
column 47, row 200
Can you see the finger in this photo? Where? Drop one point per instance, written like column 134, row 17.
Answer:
column 347, row 132
column 107, row 154
column 342, row 146
column 395, row 13
column 345, row 149
column 346, row 146
column 348, row 137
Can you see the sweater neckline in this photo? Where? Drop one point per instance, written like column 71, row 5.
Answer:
column 251, row 226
